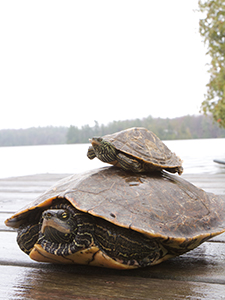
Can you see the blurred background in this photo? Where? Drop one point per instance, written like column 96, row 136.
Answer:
column 74, row 69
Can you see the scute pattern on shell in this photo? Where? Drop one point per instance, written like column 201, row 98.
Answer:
column 144, row 145
column 160, row 206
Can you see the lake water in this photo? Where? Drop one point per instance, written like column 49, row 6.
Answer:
column 197, row 156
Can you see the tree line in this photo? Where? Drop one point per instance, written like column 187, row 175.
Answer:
column 33, row 136
column 187, row 127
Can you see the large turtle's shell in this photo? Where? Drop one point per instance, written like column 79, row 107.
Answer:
column 161, row 206
column 146, row 146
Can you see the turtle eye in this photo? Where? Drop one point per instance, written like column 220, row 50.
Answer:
column 64, row 215
column 99, row 139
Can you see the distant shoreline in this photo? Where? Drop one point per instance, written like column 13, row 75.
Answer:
column 187, row 127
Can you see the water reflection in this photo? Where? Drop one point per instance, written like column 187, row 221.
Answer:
column 73, row 282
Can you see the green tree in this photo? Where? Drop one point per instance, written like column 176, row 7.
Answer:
column 72, row 136
column 212, row 29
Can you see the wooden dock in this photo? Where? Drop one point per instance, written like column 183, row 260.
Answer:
column 199, row 274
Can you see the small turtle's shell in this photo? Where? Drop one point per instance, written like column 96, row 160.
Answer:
column 146, row 146
column 159, row 206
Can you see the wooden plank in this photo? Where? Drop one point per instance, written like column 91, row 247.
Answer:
column 219, row 238
column 3, row 217
column 11, row 202
column 62, row 283
column 44, row 177
column 204, row 264
column 16, row 192
column 199, row 274
column 213, row 183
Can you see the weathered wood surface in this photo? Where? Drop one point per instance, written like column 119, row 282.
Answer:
column 199, row 274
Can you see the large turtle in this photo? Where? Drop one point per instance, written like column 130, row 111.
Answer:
column 117, row 219
column 135, row 149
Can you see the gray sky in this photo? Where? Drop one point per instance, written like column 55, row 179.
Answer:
column 73, row 62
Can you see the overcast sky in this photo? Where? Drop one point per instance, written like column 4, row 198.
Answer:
column 73, row 62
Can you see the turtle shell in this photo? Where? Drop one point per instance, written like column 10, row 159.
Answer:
column 163, row 207
column 146, row 146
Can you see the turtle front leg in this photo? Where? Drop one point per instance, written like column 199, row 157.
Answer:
column 91, row 153
column 129, row 164
column 27, row 237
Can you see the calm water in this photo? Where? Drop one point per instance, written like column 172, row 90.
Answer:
column 197, row 156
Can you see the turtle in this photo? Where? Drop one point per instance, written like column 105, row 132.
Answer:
column 135, row 149
column 112, row 218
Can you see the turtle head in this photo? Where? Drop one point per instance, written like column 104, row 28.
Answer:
column 103, row 149
column 58, row 225
column 54, row 226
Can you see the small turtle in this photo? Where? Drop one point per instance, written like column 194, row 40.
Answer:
column 135, row 149
column 112, row 218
